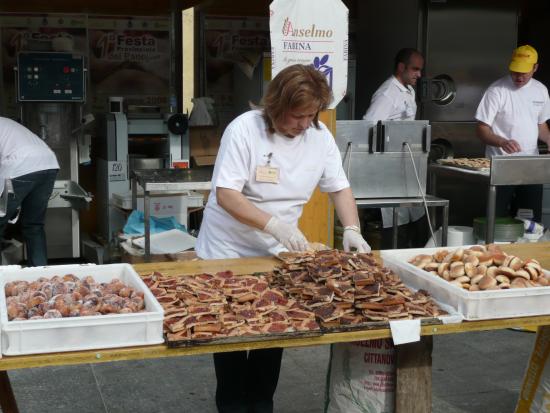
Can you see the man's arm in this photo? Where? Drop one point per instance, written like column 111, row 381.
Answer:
column 486, row 135
column 544, row 133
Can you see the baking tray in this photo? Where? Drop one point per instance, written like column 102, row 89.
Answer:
column 243, row 339
column 449, row 162
column 452, row 317
column 376, row 325
column 472, row 305
column 80, row 333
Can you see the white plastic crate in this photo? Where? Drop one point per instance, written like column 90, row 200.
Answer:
column 81, row 333
column 472, row 305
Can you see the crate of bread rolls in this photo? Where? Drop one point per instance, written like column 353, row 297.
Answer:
column 76, row 307
column 479, row 282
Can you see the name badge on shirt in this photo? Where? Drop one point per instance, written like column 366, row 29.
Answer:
column 267, row 174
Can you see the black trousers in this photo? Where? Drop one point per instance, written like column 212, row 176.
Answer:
column 247, row 380
column 510, row 198
column 31, row 193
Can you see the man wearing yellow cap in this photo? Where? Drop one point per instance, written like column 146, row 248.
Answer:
column 511, row 118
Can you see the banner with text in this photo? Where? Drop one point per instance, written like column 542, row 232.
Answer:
column 303, row 33
column 129, row 57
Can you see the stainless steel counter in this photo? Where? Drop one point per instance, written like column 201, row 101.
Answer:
column 505, row 170
column 166, row 181
column 395, row 203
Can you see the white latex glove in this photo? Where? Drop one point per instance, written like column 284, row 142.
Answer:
column 288, row 235
column 354, row 239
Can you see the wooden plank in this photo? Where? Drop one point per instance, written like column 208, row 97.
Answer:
column 537, row 250
column 161, row 351
column 237, row 265
column 413, row 386
column 317, row 221
column 532, row 383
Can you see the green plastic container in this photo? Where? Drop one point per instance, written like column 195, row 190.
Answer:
column 507, row 229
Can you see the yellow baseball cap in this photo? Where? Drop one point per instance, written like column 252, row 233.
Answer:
column 524, row 59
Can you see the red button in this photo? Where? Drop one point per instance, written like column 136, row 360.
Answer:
column 66, row 69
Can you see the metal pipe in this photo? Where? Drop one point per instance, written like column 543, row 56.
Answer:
column 394, row 230
column 445, row 225
column 147, row 222
column 491, row 207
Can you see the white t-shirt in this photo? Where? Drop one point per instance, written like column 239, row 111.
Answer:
column 394, row 101
column 22, row 152
column 304, row 162
column 514, row 113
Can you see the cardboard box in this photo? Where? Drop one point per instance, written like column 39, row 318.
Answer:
column 204, row 143
column 204, row 160
column 163, row 205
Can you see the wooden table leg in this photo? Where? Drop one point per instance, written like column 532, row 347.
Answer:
column 7, row 399
column 413, row 387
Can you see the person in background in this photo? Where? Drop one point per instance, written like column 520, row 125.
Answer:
column 32, row 167
column 269, row 163
column 511, row 118
column 395, row 100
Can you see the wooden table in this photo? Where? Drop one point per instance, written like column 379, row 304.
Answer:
column 413, row 392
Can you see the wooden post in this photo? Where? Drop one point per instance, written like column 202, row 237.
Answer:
column 533, row 396
column 413, row 387
column 317, row 221
column 7, row 399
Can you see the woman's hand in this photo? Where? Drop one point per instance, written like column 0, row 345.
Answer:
column 288, row 235
column 354, row 239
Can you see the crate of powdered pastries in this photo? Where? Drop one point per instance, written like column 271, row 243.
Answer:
column 76, row 307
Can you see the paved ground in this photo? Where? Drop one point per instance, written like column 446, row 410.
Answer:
column 474, row 372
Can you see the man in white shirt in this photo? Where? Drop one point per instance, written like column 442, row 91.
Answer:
column 395, row 100
column 511, row 118
column 31, row 166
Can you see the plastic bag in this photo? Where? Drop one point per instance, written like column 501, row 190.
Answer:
column 11, row 252
column 531, row 227
column 361, row 377
column 203, row 112
column 135, row 224
column 545, row 237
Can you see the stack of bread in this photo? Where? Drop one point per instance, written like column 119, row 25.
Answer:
column 481, row 267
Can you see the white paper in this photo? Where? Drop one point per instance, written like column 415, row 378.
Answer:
column 311, row 33
column 168, row 242
column 405, row 331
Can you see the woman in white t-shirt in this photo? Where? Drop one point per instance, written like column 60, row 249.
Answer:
column 31, row 166
column 268, row 166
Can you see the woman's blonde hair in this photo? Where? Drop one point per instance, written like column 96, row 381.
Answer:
column 295, row 87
